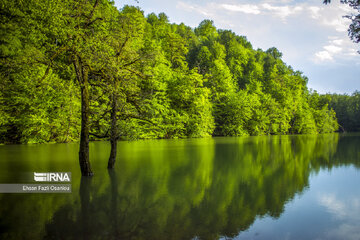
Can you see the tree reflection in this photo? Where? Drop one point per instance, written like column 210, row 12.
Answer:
column 190, row 189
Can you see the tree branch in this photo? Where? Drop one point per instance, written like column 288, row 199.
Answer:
column 92, row 11
column 136, row 73
column 98, row 18
column 139, row 118
column 99, row 136
column 121, row 47
column 131, row 63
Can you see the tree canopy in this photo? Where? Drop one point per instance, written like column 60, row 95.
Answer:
column 85, row 70
column 166, row 80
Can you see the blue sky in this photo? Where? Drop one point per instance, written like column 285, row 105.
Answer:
column 312, row 36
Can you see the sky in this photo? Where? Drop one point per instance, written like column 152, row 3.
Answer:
column 312, row 36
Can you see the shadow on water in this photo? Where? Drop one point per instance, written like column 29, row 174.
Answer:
column 181, row 189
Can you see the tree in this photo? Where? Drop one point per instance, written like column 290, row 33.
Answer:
column 347, row 108
column 83, row 44
column 193, row 103
column 57, row 35
column 354, row 27
column 121, row 72
column 70, row 69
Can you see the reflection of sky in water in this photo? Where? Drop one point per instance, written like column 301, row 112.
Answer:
column 328, row 210
column 346, row 212
column 343, row 205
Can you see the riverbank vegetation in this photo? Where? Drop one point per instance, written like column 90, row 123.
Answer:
column 347, row 108
column 84, row 70
column 146, row 78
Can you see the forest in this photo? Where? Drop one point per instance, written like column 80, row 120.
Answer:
column 85, row 70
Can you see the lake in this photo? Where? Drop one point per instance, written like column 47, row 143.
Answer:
column 270, row 187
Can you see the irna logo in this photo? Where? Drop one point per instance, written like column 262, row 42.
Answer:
column 52, row 177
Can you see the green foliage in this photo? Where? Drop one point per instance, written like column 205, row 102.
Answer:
column 46, row 111
column 233, row 113
column 161, row 80
column 193, row 102
column 347, row 108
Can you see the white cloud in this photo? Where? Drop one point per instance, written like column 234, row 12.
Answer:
column 245, row 8
column 340, row 25
column 346, row 212
column 337, row 41
column 193, row 8
column 322, row 56
column 336, row 49
column 352, row 52
column 315, row 12
column 333, row 205
column 332, row 49
column 277, row 1
column 282, row 11
column 332, row 15
column 264, row 8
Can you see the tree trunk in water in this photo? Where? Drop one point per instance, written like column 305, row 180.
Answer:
column 82, row 76
column 84, row 192
column 114, row 204
column 113, row 133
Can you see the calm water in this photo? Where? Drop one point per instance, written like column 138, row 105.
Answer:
column 279, row 187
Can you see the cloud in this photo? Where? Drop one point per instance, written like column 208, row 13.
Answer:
column 315, row 12
column 352, row 52
column 340, row 208
column 245, row 8
column 336, row 48
column 331, row 15
column 277, row 1
column 337, row 41
column 282, row 11
column 346, row 212
column 322, row 56
column 340, row 25
column 262, row 8
column 332, row 49
column 193, row 8
column 333, row 205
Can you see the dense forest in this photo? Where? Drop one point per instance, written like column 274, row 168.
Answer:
column 79, row 70
column 347, row 108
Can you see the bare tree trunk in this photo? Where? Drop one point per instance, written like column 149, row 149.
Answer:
column 113, row 133
column 82, row 76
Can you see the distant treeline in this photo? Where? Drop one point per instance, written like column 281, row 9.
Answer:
column 144, row 77
column 347, row 108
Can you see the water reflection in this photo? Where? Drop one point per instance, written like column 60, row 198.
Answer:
column 345, row 210
column 181, row 189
